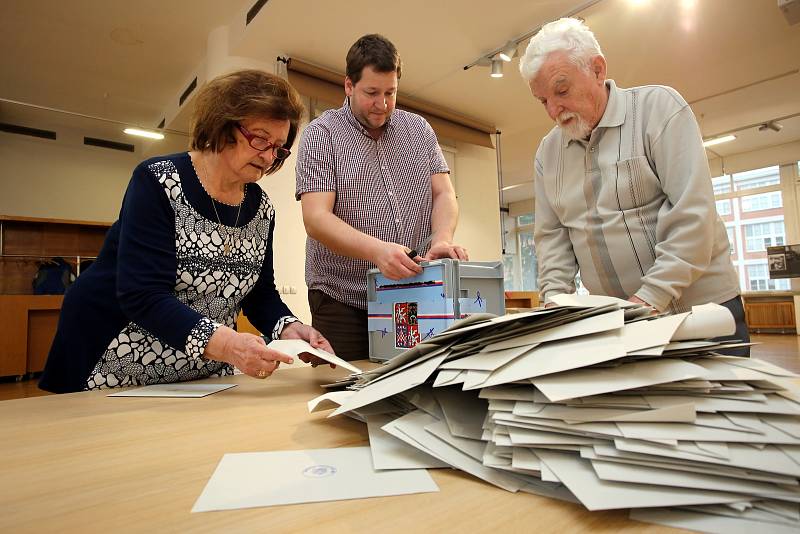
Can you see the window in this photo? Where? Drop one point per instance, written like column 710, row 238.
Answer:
column 722, row 184
column 527, row 255
column 764, row 201
column 757, row 178
column 519, row 262
column 759, row 236
column 523, row 220
column 510, row 279
column 723, row 207
column 732, row 239
column 757, row 217
column 758, row 279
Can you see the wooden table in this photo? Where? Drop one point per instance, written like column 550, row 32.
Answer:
column 84, row 462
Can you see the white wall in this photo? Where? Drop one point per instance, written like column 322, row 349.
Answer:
column 62, row 178
column 479, row 204
column 290, row 235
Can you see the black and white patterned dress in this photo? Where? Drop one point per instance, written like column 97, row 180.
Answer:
column 168, row 327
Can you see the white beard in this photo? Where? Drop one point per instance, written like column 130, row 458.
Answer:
column 577, row 128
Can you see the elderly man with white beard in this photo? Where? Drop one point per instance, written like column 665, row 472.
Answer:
column 623, row 189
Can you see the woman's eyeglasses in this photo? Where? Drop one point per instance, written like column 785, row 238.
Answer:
column 261, row 144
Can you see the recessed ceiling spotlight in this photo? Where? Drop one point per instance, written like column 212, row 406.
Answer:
column 771, row 125
column 508, row 51
column 497, row 68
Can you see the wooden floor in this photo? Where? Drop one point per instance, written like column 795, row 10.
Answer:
column 781, row 349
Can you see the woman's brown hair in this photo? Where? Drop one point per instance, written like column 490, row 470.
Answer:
column 245, row 94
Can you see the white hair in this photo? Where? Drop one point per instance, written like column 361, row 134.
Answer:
column 563, row 35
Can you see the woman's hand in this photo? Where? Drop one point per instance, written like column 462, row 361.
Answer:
column 248, row 352
column 298, row 330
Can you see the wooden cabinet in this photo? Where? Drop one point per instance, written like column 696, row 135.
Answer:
column 27, row 326
column 27, row 241
column 522, row 299
column 769, row 313
column 28, row 322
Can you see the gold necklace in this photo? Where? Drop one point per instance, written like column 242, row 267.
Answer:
column 226, row 242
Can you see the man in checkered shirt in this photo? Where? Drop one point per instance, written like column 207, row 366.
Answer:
column 373, row 184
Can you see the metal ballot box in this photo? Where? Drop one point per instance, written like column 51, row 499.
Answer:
column 404, row 312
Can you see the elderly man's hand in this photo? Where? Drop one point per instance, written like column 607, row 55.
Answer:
column 637, row 300
column 298, row 330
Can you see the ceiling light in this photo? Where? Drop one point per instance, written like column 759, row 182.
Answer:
column 719, row 140
column 497, row 68
column 508, row 51
column 143, row 133
column 506, row 188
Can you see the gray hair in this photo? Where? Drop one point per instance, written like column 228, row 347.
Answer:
column 566, row 35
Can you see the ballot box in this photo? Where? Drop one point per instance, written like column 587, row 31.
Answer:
column 401, row 313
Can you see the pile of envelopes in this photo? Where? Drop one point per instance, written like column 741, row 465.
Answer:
column 597, row 404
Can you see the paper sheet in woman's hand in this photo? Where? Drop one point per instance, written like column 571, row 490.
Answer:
column 295, row 347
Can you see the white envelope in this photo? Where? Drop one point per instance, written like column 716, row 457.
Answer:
column 662, row 476
column 681, row 465
column 706, row 321
column 643, row 335
column 771, row 459
column 392, row 385
column 463, row 411
column 582, row 327
column 589, row 301
column 253, row 479
column 701, row 522
column 411, row 428
column 587, row 382
column 295, row 347
column 488, row 361
column 328, row 401
column 388, row 452
column 596, row 494
column 177, row 389
column 560, row 356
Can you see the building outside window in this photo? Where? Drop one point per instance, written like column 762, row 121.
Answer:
column 722, row 184
column 759, row 236
column 723, row 207
column 732, row 239
column 751, row 205
column 764, row 201
column 758, row 279
column 519, row 261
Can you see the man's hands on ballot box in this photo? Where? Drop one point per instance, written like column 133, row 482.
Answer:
column 444, row 249
column 393, row 261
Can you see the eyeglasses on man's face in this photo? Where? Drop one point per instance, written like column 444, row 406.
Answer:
column 261, row 144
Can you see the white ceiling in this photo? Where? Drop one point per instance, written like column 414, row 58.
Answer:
column 129, row 61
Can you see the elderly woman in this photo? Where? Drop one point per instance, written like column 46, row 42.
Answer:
column 192, row 246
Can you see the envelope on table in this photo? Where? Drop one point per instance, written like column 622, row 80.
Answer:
column 254, row 479
column 178, row 389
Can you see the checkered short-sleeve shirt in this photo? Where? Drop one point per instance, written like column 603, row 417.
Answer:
column 383, row 189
